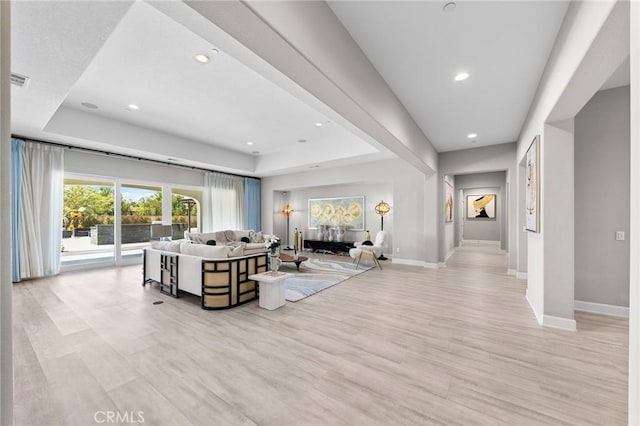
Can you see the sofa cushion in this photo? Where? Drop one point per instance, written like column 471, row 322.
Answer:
column 172, row 246
column 202, row 250
column 200, row 237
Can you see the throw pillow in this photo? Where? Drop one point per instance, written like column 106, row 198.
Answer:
column 257, row 237
column 245, row 240
column 230, row 235
column 211, row 242
column 367, row 243
column 237, row 252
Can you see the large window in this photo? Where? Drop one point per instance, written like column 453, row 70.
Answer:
column 87, row 205
column 140, row 206
column 185, row 205
column 89, row 230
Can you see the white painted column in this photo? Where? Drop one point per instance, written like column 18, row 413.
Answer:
column 117, row 224
column 6, row 334
column 167, row 208
column 634, row 234
column 558, row 224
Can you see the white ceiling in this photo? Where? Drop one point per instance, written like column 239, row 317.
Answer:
column 144, row 57
column 112, row 54
column 418, row 49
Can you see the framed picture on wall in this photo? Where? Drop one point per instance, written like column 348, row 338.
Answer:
column 532, row 193
column 343, row 211
column 482, row 206
column 448, row 202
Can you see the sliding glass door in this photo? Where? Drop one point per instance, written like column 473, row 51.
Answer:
column 88, row 205
column 140, row 207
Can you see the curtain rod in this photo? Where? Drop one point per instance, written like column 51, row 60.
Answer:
column 127, row 156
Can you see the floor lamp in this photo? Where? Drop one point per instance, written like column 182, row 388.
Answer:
column 288, row 211
column 382, row 209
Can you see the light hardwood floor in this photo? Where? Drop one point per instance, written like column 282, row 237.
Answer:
column 403, row 345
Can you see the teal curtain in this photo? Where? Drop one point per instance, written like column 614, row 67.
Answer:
column 252, row 203
column 16, row 199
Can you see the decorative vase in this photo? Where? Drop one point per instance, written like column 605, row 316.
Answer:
column 274, row 263
column 340, row 233
column 330, row 235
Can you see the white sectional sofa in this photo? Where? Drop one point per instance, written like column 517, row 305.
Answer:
column 254, row 241
column 218, row 274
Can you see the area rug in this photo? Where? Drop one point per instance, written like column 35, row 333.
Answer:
column 316, row 275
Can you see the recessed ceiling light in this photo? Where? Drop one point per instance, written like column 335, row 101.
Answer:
column 318, row 124
column 472, row 135
column 249, row 143
column 202, row 58
column 461, row 76
column 89, row 105
column 302, row 141
column 132, row 107
column 449, row 7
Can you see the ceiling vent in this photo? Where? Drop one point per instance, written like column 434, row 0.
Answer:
column 19, row 80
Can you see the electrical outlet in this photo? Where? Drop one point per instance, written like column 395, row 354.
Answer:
column 619, row 235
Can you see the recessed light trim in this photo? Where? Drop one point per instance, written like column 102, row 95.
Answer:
column 132, row 107
column 89, row 105
column 202, row 58
column 250, row 143
column 318, row 124
column 302, row 141
column 472, row 135
column 461, row 76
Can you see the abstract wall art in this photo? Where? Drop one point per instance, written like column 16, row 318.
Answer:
column 345, row 211
column 481, row 206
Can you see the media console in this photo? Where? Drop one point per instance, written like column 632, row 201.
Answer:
column 332, row 246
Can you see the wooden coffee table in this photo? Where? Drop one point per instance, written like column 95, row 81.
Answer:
column 287, row 258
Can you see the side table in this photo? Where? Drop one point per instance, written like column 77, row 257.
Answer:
column 271, row 289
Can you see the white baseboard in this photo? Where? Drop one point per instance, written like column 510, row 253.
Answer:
column 511, row 272
column 522, row 275
column 537, row 315
column 558, row 322
column 453, row 250
column 410, row 262
column 442, row 264
column 430, row 265
column 601, row 308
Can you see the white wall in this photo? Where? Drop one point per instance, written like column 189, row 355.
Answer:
column 298, row 199
column 602, row 175
column 556, row 222
column 76, row 161
column 482, row 229
column 6, row 334
column 479, row 160
column 634, row 231
column 410, row 220
column 590, row 30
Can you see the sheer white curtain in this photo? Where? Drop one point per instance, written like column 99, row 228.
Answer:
column 224, row 203
column 41, row 210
